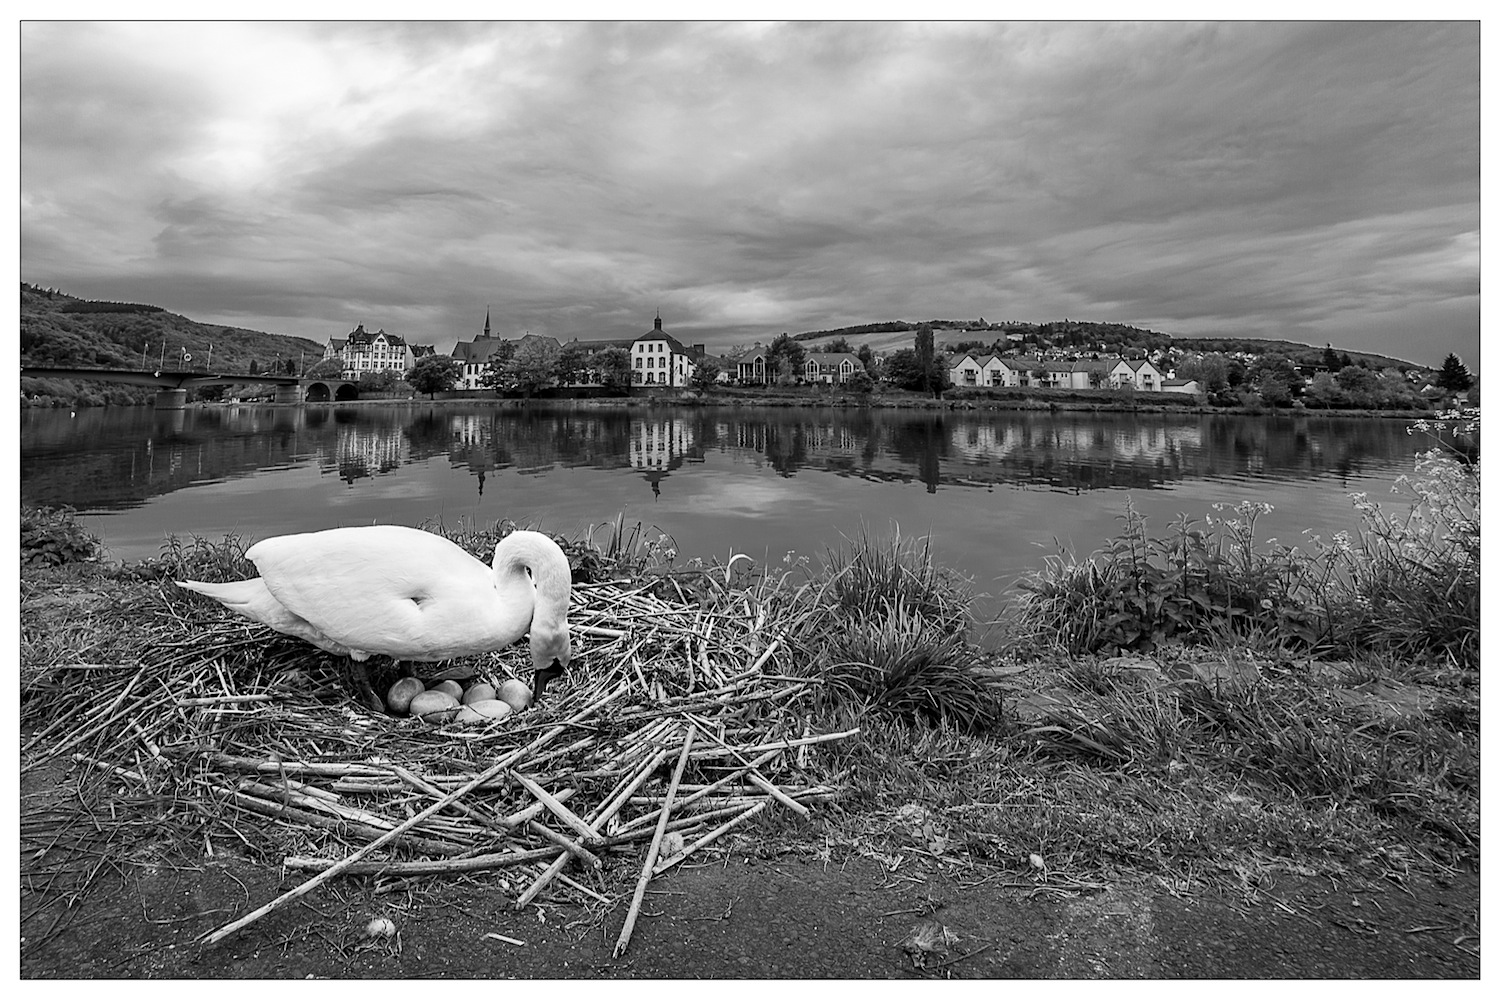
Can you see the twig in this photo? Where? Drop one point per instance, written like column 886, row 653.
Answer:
column 661, row 828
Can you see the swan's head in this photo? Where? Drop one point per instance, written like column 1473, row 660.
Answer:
column 550, row 654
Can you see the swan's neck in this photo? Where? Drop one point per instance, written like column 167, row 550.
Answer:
column 531, row 560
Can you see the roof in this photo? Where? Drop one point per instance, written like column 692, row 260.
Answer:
column 476, row 351
column 678, row 347
column 834, row 359
column 422, row 350
column 1179, row 381
column 601, row 345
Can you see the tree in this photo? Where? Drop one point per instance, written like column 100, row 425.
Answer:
column 434, row 373
column 494, row 375
column 866, row 357
column 786, row 357
column 613, row 364
column 860, row 383
column 903, row 371
column 533, row 366
column 1274, row 366
column 571, row 363
column 1453, row 376
column 839, row 345
column 705, row 374
column 1330, row 358
column 327, row 368
column 922, row 347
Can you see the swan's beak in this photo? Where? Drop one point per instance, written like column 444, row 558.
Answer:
column 541, row 678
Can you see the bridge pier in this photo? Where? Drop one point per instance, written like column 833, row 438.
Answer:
column 171, row 399
column 288, row 394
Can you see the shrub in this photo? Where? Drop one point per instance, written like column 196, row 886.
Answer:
column 52, row 536
column 1407, row 586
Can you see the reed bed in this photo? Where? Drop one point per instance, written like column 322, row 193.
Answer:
column 192, row 728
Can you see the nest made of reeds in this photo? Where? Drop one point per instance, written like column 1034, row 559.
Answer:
column 675, row 724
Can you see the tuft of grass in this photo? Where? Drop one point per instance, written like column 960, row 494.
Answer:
column 886, row 631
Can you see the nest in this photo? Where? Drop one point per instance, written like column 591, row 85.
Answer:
column 673, row 726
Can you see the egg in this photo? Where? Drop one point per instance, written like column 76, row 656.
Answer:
column 434, row 706
column 492, row 709
column 398, row 699
column 380, row 927
column 479, row 692
column 467, row 716
column 515, row 694
column 451, row 687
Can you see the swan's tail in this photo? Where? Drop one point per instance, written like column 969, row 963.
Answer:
column 252, row 599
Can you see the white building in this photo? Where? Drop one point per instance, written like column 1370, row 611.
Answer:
column 362, row 352
column 661, row 360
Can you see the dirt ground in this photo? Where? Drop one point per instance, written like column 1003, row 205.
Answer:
column 742, row 916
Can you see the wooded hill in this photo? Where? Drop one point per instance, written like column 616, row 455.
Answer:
column 1115, row 338
column 61, row 329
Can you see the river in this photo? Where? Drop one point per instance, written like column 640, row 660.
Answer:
column 995, row 491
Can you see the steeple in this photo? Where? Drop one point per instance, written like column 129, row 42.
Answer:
column 486, row 321
column 658, row 319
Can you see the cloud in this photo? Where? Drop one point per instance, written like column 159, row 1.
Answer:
column 1254, row 178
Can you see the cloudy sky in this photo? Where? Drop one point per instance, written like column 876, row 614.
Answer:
column 1306, row 181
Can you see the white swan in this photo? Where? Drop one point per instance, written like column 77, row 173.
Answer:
column 408, row 594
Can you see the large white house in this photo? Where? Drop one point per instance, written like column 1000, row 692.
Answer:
column 661, row 360
column 361, row 352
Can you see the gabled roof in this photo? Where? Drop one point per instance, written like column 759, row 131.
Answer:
column 833, row 360
column 422, row 350
column 677, row 346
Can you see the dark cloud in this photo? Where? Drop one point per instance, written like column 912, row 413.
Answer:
column 1233, row 178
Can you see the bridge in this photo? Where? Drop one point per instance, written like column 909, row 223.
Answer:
column 171, row 385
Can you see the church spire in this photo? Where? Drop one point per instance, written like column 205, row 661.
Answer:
column 486, row 321
column 658, row 319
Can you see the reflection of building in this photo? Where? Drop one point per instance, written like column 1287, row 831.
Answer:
column 361, row 450
column 362, row 352
column 660, row 444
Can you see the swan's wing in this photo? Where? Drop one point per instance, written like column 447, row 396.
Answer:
column 381, row 588
column 252, row 599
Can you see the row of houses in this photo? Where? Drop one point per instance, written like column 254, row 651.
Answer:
column 996, row 371
column 657, row 359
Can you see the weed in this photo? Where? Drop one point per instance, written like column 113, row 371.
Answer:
column 52, row 536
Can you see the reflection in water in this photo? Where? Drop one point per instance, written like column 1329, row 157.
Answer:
column 118, row 458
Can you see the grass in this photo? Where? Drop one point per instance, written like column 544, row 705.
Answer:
column 1212, row 753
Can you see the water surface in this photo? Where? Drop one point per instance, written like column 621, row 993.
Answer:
column 995, row 491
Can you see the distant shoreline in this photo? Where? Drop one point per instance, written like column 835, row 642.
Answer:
column 845, row 403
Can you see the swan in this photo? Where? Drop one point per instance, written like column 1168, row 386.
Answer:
column 407, row 594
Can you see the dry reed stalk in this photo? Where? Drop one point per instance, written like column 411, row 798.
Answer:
column 612, row 804
column 711, row 836
column 483, row 862
column 279, row 810
column 562, row 812
column 498, row 768
column 661, row 828
column 757, row 778
column 427, row 788
column 571, row 846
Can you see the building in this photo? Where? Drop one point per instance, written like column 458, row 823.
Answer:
column 474, row 356
column 659, row 359
column 1141, row 374
column 751, row 369
column 1189, row 386
column 363, row 352
column 832, row 369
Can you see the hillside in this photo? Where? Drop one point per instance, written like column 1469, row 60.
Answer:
column 60, row 329
column 1116, row 338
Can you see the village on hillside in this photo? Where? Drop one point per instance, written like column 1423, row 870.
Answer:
column 960, row 358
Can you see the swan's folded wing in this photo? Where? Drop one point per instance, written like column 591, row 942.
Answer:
column 367, row 587
column 252, row 599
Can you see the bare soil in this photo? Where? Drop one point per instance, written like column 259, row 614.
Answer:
column 746, row 916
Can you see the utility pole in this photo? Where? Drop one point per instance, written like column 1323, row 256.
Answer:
column 163, row 362
column 143, row 354
column 209, row 366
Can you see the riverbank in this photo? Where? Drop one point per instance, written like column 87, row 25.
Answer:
column 1100, row 784
column 1063, row 402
